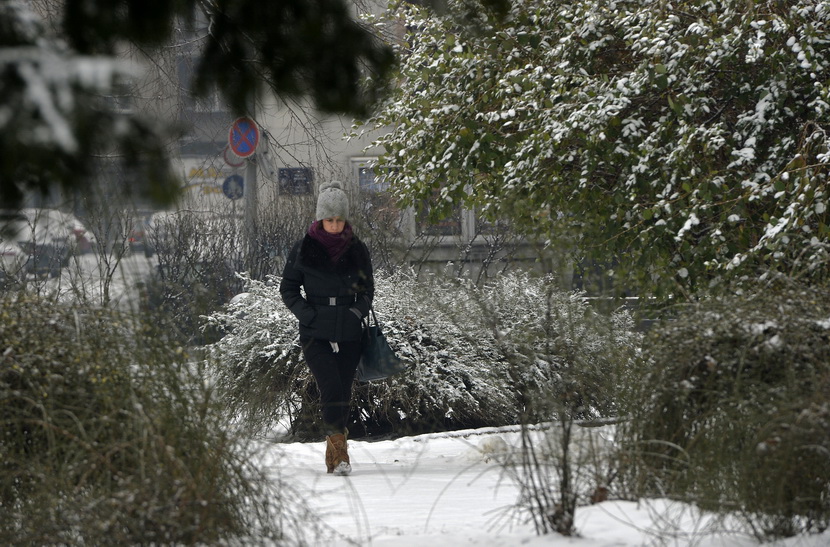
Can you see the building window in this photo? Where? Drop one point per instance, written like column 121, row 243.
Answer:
column 369, row 177
column 488, row 227
column 207, row 104
column 448, row 226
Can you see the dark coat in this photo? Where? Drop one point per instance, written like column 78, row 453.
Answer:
column 350, row 281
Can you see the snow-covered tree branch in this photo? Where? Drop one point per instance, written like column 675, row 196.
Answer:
column 686, row 140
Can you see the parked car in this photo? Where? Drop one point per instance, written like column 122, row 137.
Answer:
column 46, row 237
column 63, row 225
column 193, row 233
column 139, row 235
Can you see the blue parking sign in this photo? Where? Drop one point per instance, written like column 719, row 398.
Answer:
column 233, row 187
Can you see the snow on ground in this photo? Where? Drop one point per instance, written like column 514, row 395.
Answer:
column 449, row 490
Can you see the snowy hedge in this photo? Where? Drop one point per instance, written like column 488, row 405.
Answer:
column 729, row 408
column 477, row 356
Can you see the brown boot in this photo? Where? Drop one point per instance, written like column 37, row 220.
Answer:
column 337, row 454
column 331, row 455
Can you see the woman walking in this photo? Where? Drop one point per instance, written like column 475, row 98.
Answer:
column 335, row 270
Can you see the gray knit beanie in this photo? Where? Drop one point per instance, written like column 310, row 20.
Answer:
column 332, row 201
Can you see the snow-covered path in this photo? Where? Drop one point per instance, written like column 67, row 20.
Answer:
column 406, row 491
column 447, row 490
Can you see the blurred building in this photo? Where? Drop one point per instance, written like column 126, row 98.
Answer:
column 298, row 148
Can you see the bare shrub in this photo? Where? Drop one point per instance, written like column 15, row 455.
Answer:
column 558, row 467
column 280, row 224
column 198, row 257
column 566, row 363
column 110, row 434
column 383, row 227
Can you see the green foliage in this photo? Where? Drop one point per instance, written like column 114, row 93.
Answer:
column 687, row 143
column 729, row 409
column 109, row 435
column 477, row 356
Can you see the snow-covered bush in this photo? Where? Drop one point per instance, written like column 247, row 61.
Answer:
column 109, row 435
column 451, row 382
column 477, row 356
column 688, row 140
column 565, row 356
column 258, row 362
column 729, row 408
column 456, row 379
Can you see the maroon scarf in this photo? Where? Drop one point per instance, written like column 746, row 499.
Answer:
column 335, row 244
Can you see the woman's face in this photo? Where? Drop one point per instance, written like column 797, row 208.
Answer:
column 334, row 225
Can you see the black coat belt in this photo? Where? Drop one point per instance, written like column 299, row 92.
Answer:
column 332, row 300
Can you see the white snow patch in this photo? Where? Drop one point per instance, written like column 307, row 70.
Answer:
column 690, row 222
column 761, row 328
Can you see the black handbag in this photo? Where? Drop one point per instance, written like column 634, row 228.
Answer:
column 378, row 360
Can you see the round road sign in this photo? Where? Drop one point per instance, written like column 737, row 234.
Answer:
column 232, row 159
column 244, row 137
column 233, row 187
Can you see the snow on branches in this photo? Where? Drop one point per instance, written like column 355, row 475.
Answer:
column 476, row 356
column 612, row 124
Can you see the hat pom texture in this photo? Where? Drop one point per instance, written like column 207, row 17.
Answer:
column 332, row 201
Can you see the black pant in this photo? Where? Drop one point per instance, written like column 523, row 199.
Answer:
column 334, row 373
